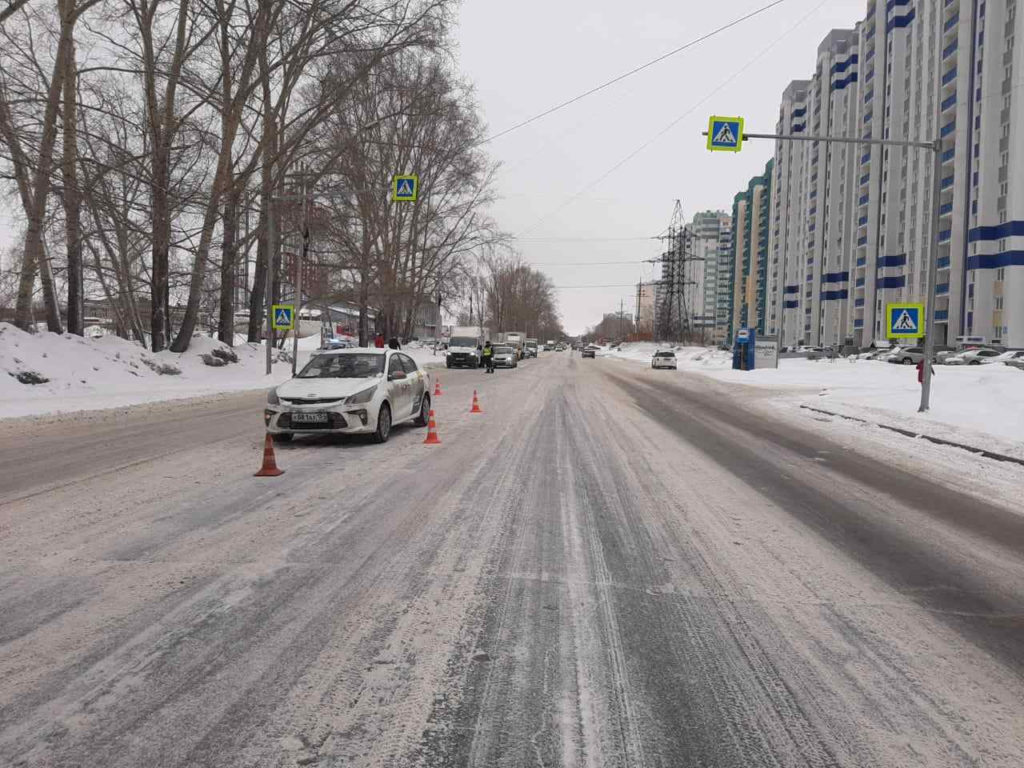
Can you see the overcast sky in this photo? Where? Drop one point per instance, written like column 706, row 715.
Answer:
column 528, row 55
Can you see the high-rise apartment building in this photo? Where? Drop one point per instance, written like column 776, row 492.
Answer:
column 745, row 285
column 710, row 231
column 851, row 224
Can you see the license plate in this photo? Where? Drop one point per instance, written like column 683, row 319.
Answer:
column 309, row 417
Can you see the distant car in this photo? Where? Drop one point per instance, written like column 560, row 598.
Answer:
column 588, row 352
column 333, row 342
column 976, row 356
column 505, row 357
column 664, row 360
column 349, row 391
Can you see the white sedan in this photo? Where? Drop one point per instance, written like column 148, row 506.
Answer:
column 350, row 392
column 665, row 359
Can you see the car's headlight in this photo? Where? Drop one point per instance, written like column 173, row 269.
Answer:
column 362, row 397
column 272, row 398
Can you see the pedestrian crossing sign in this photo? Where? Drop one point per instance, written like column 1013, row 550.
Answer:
column 725, row 134
column 282, row 317
column 904, row 321
column 405, row 188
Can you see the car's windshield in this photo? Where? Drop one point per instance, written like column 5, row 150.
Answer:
column 665, row 354
column 360, row 366
column 503, row 350
column 463, row 341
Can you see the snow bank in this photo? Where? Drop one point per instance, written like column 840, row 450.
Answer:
column 75, row 373
column 979, row 405
column 108, row 372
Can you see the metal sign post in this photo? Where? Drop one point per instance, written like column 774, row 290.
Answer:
column 936, row 148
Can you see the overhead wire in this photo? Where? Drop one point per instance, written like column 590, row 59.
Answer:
column 635, row 70
column 678, row 120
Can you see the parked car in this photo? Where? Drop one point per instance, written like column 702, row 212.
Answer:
column 588, row 352
column 665, row 359
column 905, row 356
column 335, row 342
column 350, row 391
column 975, row 356
column 1017, row 361
column 505, row 357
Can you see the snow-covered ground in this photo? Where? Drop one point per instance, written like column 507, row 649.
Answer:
column 981, row 406
column 110, row 372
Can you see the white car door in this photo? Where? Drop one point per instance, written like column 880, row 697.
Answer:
column 399, row 390
column 417, row 384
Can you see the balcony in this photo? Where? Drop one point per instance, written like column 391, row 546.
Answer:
column 941, row 315
column 862, row 241
column 949, row 77
column 945, row 235
column 947, row 129
column 942, row 263
column 948, row 155
column 945, row 209
column 942, row 289
column 949, row 50
column 946, row 183
column 949, row 103
column 951, row 22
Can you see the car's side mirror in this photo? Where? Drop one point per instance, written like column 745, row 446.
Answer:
column 396, row 376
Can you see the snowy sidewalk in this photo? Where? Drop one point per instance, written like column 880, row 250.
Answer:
column 89, row 374
column 981, row 406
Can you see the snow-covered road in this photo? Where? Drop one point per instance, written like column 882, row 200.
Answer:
column 609, row 567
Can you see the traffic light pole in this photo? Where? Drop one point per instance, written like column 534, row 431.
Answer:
column 936, row 148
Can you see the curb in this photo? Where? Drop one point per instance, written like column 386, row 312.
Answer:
column 929, row 438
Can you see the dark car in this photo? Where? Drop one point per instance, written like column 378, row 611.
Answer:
column 588, row 352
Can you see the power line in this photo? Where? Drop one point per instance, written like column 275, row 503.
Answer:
column 612, row 285
column 586, row 263
column 721, row 86
column 635, row 70
column 584, row 239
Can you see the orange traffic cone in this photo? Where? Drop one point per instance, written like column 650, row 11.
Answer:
column 437, row 387
column 432, row 438
column 269, row 468
column 476, row 404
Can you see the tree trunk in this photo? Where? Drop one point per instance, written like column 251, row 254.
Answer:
column 35, row 258
column 228, row 264
column 73, row 199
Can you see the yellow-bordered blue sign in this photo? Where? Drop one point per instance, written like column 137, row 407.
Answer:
column 725, row 134
column 282, row 317
column 405, row 189
column 904, row 321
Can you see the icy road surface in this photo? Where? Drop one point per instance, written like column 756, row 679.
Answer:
column 609, row 567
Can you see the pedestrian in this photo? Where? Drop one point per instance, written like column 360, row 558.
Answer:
column 393, row 343
column 488, row 356
column 920, row 371
column 378, row 341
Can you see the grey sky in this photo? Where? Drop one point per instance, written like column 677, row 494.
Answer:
column 526, row 56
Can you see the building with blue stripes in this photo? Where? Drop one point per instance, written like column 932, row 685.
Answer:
column 851, row 226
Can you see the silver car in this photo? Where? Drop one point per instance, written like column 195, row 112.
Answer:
column 505, row 357
column 350, row 392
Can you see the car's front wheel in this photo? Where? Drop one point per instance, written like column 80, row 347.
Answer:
column 424, row 417
column 383, row 431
